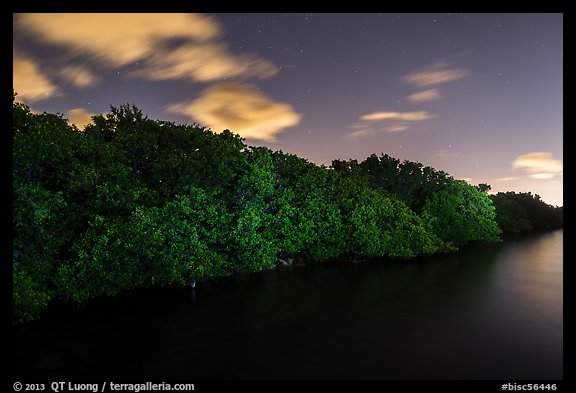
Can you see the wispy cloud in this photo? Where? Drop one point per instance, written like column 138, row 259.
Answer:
column 424, row 96
column 387, row 121
column 543, row 175
column 370, row 129
column 79, row 117
column 436, row 74
column 204, row 63
column 406, row 116
column 240, row 108
column 364, row 132
column 29, row 82
column 539, row 165
column 508, row 178
column 396, row 127
column 79, row 76
column 166, row 46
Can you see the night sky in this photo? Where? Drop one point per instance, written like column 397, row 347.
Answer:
column 478, row 96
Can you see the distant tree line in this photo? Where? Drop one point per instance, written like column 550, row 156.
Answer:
column 415, row 185
column 134, row 202
column 524, row 211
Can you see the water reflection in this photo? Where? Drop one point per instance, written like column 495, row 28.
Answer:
column 533, row 276
column 489, row 312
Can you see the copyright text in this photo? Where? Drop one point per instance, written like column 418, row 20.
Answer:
column 58, row 387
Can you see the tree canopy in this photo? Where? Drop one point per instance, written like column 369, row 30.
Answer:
column 133, row 202
column 524, row 211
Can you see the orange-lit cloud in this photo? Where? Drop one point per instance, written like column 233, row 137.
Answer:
column 79, row 76
column 539, row 165
column 424, row 96
column 436, row 74
column 117, row 39
column 370, row 123
column 387, row 121
column 508, row 178
column 241, row 109
column 363, row 132
column 396, row 127
column 406, row 116
column 204, row 63
column 80, row 117
column 165, row 46
column 29, row 82
column 543, row 175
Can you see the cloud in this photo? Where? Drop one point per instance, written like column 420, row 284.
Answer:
column 29, row 82
column 117, row 39
column 166, row 46
column 406, row 116
column 509, row 178
column 436, row 74
column 398, row 127
column 361, row 133
column 79, row 76
column 539, row 165
column 204, row 63
column 241, row 109
column 393, row 122
column 80, row 117
column 369, row 130
column 424, row 96
column 542, row 175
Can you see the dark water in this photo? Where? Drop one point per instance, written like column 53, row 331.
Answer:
column 489, row 312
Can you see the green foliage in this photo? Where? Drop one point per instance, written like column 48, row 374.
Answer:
column 43, row 147
column 322, row 214
column 37, row 228
column 134, row 202
column 38, row 237
column 156, row 246
column 384, row 226
column 28, row 298
column 461, row 213
column 20, row 115
column 409, row 181
column 453, row 210
column 521, row 212
column 251, row 239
